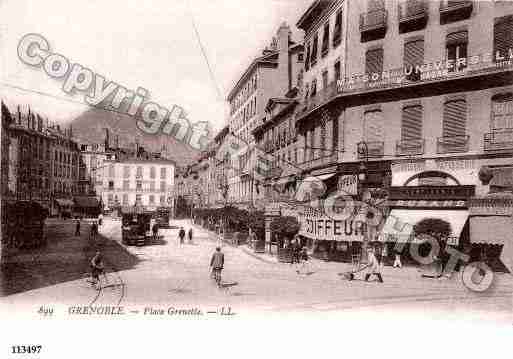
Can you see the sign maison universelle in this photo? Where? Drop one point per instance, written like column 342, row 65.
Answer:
column 438, row 70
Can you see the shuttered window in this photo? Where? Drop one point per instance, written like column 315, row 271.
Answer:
column 374, row 61
column 411, row 127
column 307, row 60
column 502, row 112
column 337, row 32
column 413, row 56
column 414, row 52
column 373, row 126
column 455, row 118
column 326, row 39
column 313, row 59
column 502, row 36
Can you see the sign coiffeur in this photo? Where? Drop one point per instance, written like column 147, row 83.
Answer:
column 318, row 226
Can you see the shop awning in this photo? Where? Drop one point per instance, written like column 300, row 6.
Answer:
column 400, row 222
column 64, row 202
column 87, row 202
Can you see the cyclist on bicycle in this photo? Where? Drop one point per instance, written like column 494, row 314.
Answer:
column 217, row 263
column 97, row 268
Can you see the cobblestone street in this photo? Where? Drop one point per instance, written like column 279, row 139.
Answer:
column 177, row 275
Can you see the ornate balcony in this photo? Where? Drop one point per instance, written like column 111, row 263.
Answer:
column 375, row 150
column 499, row 141
column 413, row 15
column 453, row 144
column 451, row 10
column 409, row 148
column 373, row 24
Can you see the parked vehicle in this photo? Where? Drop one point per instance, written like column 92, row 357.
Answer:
column 162, row 216
column 136, row 229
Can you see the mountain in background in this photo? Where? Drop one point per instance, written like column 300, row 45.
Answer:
column 89, row 127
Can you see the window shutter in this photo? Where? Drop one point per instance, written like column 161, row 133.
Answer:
column 374, row 61
column 455, row 116
column 373, row 126
column 414, row 53
column 460, row 37
column 411, row 128
column 502, row 36
column 502, row 111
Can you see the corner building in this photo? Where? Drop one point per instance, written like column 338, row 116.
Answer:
column 428, row 89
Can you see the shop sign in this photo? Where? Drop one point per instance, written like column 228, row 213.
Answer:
column 439, row 70
column 348, row 184
column 318, row 226
column 427, row 204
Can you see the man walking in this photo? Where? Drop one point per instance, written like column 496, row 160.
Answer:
column 373, row 266
column 181, row 234
column 155, row 230
column 190, row 235
column 217, row 264
column 94, row 231
column 77, row 228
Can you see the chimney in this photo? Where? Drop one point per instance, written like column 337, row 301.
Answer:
column 19, row 115
column 70, row 131
column 107, row 139
column 284, row 66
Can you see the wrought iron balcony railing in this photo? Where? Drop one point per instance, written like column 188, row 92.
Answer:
column 373, row 20
column 499, row 141
column 452, row 144
column 375, row 149
column 410, row 147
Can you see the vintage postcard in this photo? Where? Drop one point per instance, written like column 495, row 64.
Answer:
column 194, row 161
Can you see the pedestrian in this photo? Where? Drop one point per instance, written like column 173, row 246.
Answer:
column 155, row 230
column 190, row 235
column 100, row 219
column 77, row 228
column 373, row 265
column 295, row 250
column 94, row 231
column 97, row 268
column 397, row 260
column 303, row 265
column 217, row 265
column 181, row 234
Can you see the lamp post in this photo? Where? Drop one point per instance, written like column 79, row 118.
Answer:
column 363, row 152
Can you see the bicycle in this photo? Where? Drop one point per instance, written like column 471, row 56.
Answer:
column 216, row 275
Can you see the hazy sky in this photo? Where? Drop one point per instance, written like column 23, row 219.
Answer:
column 141, row 43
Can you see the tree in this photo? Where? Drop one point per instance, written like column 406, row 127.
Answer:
column 435, row 227
column 285, row 226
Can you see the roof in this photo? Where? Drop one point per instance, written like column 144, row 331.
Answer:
column 270, row 58
column 315, row 9
column 286, row 109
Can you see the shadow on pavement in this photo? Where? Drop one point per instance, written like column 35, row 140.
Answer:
column 65, row 258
